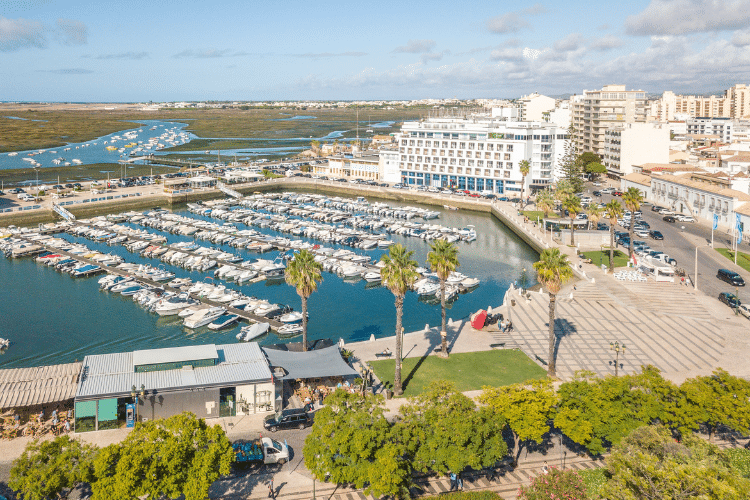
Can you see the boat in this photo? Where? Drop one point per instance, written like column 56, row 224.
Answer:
column 289, row 330
column 450, row 207
column 173, row 305
column 224, row 321
column 267, row 310
column 291, row 317
column 250, row 332
column 4, row 343
column 372, row 277
column 131, row 290
column 469, row 283
column 429, row 288
column 186, row 313
column 203, row 317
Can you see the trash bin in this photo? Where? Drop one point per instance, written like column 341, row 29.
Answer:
column 388, row 394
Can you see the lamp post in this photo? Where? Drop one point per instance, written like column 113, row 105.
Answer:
column 134, row 393
column 617, row 347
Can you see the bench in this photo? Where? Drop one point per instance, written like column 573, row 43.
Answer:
column 383, row 354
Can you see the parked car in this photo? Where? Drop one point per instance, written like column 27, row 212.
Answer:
column 729, row 299
column 744, row 310
column 656, row 235
column 616, row 193
column 685, row 218
column 608, row 190
column 597, row 193
column 669, row 218
column 296, row 418
column 730, row 277
column 666, row 211
column 656, row 208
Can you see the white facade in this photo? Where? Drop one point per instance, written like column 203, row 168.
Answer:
column 634, row 144
column 531, row 108
column 506, row 113
column 389, row 165
column 711, row 126
column 479, row 153
column 559, row 116
column 360, row 167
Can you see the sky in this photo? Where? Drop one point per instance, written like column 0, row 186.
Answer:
column 133, row 51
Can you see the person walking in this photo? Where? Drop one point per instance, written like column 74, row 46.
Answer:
column 454, row 484
column 271, row 491
column 459, row 482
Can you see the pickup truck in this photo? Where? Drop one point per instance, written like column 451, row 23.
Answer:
column 264, row 450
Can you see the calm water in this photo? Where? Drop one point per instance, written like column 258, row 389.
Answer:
column 53, row 318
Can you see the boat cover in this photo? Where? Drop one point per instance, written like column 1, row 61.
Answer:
column 319, row 363
column 478, row 322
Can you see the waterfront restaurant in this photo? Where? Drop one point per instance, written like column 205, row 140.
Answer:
column 207, row 380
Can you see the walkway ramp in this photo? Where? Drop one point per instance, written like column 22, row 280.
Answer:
column 64, row 213
column 231, row 192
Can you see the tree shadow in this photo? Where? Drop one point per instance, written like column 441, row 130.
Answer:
column 414, row 370
column 563, row 328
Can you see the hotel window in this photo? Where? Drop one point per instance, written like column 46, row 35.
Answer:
column 411, row 142
column 442, row 152
column 450, row 152
column 499, row 147
column 459, row 170
column 403, row 142
column 411, row 150
column 428, row 143
column 509, row 165
column 507, row 175
column 480, row 163
column 510, row 148
column 507, row 156
column 471, row 163
column 445, row 144
column 462, row 145
column 462, row 162
column 459, row 154
column 489, row 163
column 434, row 152
column 471, row 145
column 419, row 159
column 490, row 147
column 435, row 159
column 445, row 161
column 477, row 155
column 486, row 172
column 453, row 145
column 497, row 173
column 480, row 146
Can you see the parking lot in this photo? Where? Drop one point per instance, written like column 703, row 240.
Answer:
column 681, row 239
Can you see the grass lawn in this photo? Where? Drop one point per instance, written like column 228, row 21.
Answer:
column 533, row 214
column 743, row 259
column 468, row 371
column 621, row 259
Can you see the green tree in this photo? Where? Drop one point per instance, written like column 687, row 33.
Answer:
column 545, row 201
column 399, row 274
column 553, row 270
column 555, row 484
column 441, row 430
column 573, row 205
column 719, row 399
column 571, row 167
column 304, row 274
column 584, row 159
column 443, row 260
column 563, row 190
column 527, row 408
column 614, row 212
column 632, row 199
column 666, row 402
column 351, row 443
column 595, row 169
column 524, row 166
column 649, row 464
column 46, row 468
column 180, row 455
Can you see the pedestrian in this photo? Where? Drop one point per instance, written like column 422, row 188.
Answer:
column 459, row 482
column 67, row 426
column 452, row 477
column 545, row 468
column 271, row 491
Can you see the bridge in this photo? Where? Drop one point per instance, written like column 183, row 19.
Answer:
column 65, row 214
column 157, row 160
column 231, row 192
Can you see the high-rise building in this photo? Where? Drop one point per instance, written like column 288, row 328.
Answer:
column 739, row 97
column 596, row 111
column 479, row 153
column 735, row 104
column 630, row 144
column 531, row 108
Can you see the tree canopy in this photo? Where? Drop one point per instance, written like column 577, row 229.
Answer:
column 168, row 458
column 442, row 430
column 46, row 468
column 555, row 484
column 718, row 399
column 650, row 464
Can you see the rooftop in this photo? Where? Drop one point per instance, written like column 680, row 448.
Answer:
column 114, row 375
column 174, row 354
column 642, row 179
column 38, row 385
column 686, row 180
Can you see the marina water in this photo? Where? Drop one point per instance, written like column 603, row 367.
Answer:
column 51, row 317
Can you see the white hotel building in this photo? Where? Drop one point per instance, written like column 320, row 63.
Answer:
column 479, row 154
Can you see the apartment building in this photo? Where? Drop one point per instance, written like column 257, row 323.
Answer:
column 629, row 144
column 720, row 127
column 597, row 111
column 739, row 96
column 479, row 153
column 531, row 108
column 735, row 104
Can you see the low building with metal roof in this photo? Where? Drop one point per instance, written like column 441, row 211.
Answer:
column 38, row 386
column 207, row 380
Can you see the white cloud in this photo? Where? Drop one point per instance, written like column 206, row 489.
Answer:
column 569, row 43
column 513, row 22
column 434, row 56
column 207, row 54
column 16, row 34
column 677, row 17
column 416, row 47
column 741, row 38
column 71, row 32
column 607, row 42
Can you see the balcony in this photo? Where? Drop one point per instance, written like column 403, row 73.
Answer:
column 672, row 196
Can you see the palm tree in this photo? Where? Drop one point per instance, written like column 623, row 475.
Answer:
column 304, row 273
column 595, row 214
column 563, row 190
column 573, row 205
column 524, row 166
column 545, row 201
column 553, row 270
column 633, row 199
column 398, row 276
column 614, row 212
column 443, row 260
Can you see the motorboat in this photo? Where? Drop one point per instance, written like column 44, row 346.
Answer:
column 291, row 317
column 429, row 288
column 130, row 290
column 4, row 343
column 250, row 332
column 470, row 283
column 289, row 330
column 186, row 313
column 372, row 277
column 224, row 321
column 450, row 292
column 203, row 317
column 245, row 276
column 267, row 310
column 173, row 305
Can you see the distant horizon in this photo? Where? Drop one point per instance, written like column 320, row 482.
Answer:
column 114, row 52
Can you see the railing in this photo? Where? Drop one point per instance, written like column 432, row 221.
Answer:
column 63, row 212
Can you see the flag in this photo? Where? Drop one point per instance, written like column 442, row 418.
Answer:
column 739, row 228
column 716, row 222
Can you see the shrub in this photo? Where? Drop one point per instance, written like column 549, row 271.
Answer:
column 469, row 495
column 565, row 485
column 594, row 479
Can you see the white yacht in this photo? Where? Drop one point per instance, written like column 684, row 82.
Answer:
column 203, row 317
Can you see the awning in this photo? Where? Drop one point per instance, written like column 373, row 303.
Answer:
column 21, row 387
column 311, row 364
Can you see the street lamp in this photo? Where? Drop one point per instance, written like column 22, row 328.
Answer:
column 617, row 347
column 134, row 393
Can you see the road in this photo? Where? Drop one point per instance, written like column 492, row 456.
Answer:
column 680, row 242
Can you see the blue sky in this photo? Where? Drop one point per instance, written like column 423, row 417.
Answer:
column 190, row 50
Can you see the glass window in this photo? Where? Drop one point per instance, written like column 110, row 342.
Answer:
column 510, row 148
column 462, row 183
column 470, row 184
